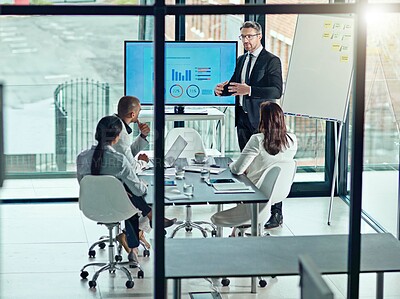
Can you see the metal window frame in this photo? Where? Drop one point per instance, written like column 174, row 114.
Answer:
column 159, row 10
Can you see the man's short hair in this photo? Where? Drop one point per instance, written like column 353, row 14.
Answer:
column 252, row 24
column 127, row 104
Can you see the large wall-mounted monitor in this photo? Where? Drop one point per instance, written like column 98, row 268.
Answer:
column 192, row 69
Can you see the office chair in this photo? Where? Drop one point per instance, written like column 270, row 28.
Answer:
column 275, row 183
column 195, row 145
column 103, row 198
column 105, row 239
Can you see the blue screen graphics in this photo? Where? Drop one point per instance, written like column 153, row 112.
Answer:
column 192, row 70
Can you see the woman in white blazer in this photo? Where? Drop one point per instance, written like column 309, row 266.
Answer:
column 271, row 145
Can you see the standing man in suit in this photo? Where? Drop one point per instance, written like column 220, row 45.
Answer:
column 252, row 83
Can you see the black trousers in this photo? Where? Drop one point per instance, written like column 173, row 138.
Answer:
column 139, row 202
column 243, row 127
column 132, row 224
column 132, row 231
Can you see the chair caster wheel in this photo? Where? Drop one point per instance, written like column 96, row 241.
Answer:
column 84, row 274
column 188, row 229
column 262, row 283
column 92, row 284
column 129, row 284
column 92, row 253
column 140, row 274
column 213, row 233
column 102, row 245
column 146, row 252
column 118, row 258
column 225, row 282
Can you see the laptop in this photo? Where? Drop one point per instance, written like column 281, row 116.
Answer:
column 173, row 153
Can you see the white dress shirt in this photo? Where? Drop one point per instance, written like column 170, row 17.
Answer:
column 130, row 149
column 254, row 159
column 243, row 74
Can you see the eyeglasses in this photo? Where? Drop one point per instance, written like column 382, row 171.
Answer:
column 248, row 36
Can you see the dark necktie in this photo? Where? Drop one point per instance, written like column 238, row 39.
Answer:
column 247, row 76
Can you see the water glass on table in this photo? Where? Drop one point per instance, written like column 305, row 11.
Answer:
column 179, row 172
column 205, row 174
column 188, row 189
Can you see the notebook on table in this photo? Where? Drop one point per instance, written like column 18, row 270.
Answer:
column 196, row 168
column 235, row 187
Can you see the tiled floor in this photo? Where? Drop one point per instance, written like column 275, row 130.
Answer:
column 39, row 188
column 43, row 247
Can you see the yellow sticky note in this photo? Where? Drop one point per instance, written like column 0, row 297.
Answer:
column 336, row 47
column 328, row 24
column 326, row 35
column 344, row 58
column 344, row 48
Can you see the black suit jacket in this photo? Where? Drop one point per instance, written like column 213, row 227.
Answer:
column 265, row 82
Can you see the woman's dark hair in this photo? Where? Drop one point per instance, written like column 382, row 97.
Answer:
column 272, row 124
column 108, row 128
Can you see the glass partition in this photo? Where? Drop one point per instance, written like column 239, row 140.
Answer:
column 57, row 66
column 61, row 74
column 382, row 114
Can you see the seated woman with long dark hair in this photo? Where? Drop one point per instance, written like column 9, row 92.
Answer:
column 103, row 159
column 263, row 149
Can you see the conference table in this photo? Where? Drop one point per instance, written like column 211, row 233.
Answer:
column 204, row 194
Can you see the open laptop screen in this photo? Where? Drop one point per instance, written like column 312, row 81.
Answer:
column 175, row 150
column 173, row 153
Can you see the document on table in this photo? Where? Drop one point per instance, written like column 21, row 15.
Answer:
column 197, row 168
column 237, row 187
column 173, row 193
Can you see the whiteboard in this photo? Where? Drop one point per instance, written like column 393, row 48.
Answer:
column 320, row 68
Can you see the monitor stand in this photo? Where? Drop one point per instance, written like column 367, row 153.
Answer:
column 179, row 109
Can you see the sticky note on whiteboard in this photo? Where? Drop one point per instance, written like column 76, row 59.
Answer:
column 328, row 24
column 326, row 35
column 344, row 58
column 336, row 47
